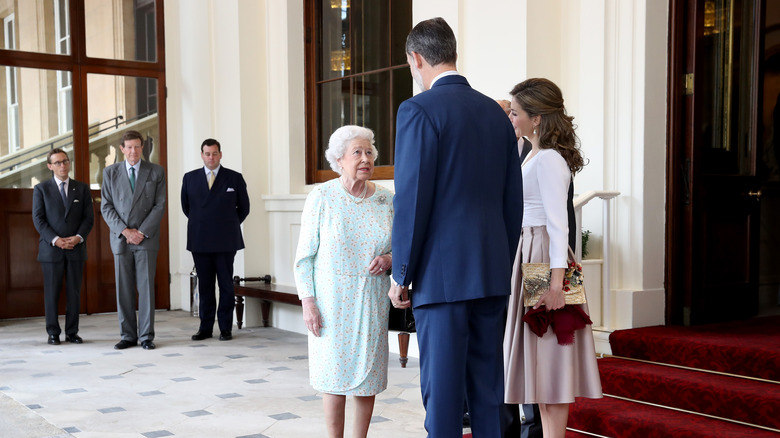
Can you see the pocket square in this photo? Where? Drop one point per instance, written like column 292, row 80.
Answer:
column 75, row 201
column 231, row 189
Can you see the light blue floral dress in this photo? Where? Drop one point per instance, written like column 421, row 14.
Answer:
column 338, row 240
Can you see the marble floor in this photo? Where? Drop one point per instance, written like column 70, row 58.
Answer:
column 253, row 386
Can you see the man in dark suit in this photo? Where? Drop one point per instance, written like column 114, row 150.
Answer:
column 63, row 216
column 458, row 216
column 133, row 206
column 215, row 201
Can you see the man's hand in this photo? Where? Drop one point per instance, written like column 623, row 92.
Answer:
column 63, row 243
column 311, row 316
column 399, row 296
column 133, row 236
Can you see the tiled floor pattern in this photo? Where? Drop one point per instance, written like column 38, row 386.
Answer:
column 251, row 387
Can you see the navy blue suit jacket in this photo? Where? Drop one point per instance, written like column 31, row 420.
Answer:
column 459, row 195
column 51, row 218
column 214, row 215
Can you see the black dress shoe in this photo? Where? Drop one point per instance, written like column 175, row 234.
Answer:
column 125, row 344
column 199, row 336
column 225, row 335
column 147, row 345
column 74, row 339
column 54, row 340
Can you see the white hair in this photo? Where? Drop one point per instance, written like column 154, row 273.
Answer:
column 337, row 145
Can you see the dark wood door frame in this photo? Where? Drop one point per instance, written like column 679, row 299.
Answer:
column 692, row 195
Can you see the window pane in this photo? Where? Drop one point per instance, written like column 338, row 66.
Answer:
column 117, row 104
column 33, row 26
column 334, row 44
column 401, row 22
column 371, row 32
column 30, row 115
column 121, row 30
column 372, row 109
column 335, row 112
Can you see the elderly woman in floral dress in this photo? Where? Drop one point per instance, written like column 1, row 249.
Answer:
column 340, row 271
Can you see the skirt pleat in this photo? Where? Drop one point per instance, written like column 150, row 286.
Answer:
column 538, row 369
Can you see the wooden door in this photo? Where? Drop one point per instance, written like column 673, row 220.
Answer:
column 714, row 188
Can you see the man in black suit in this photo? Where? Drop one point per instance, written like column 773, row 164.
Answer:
column 215, row 201
column 62, row 214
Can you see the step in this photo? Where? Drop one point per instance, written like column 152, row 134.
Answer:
column 749, row 348
column 617, row 418
column 735, row 398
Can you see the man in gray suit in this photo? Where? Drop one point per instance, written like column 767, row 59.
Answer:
column 133, row 206
column 63, row 216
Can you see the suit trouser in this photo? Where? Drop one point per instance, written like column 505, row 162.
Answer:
column 211, row 267
column 461, row 353
column 135, row 269
column 53, row 274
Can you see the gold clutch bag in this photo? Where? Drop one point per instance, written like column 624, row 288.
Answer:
column 536, row 282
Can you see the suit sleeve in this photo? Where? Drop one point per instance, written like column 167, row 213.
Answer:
column 185, row 199
column 415, row 172
column 308, row 245
column 242, row 207
column 513, row 199
column 39, row 215
column 107, row 208
column 151, row 223
column 88, row 215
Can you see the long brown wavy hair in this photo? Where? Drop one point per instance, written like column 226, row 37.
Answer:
column 541, row 97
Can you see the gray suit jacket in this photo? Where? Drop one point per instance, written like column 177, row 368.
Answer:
column 143, row 209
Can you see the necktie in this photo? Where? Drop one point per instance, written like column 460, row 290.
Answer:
column 132, row 179
column 211, row 179
column 62, row 193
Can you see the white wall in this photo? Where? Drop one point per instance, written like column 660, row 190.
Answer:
column 235, row 73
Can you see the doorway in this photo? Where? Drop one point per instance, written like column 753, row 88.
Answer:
column 723, row 179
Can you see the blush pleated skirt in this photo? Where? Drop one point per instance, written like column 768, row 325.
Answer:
column 538, row 369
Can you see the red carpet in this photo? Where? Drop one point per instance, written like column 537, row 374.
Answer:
column 623, row 419
column 748, row 348
column 722, row 396
column 744, row 348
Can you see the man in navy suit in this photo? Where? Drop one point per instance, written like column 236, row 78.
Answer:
column 63, row 216
column 458, row 216
column 215, row 200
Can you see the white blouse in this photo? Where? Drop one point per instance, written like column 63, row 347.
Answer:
column 546, row 179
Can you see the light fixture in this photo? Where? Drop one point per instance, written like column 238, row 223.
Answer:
column 339, row 4
column 340, row 60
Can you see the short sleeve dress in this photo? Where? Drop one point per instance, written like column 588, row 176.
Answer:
column 340, row 235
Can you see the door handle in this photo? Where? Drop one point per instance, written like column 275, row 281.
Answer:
column 97, row 200
column 755, row 195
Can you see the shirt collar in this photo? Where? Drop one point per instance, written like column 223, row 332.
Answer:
column 216, row 171
column 137, row 166
column 59, row 181
column 441, row 75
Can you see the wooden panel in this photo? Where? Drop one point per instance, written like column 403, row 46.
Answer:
column 21, row 283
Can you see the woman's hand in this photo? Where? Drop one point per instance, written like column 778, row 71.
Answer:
column 380, row 264
column 553, row 299
column 311, row 316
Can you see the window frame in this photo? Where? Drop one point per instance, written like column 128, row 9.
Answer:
column 313, row 172
column 80, row 66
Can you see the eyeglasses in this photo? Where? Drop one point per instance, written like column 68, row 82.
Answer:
column 60, row 163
